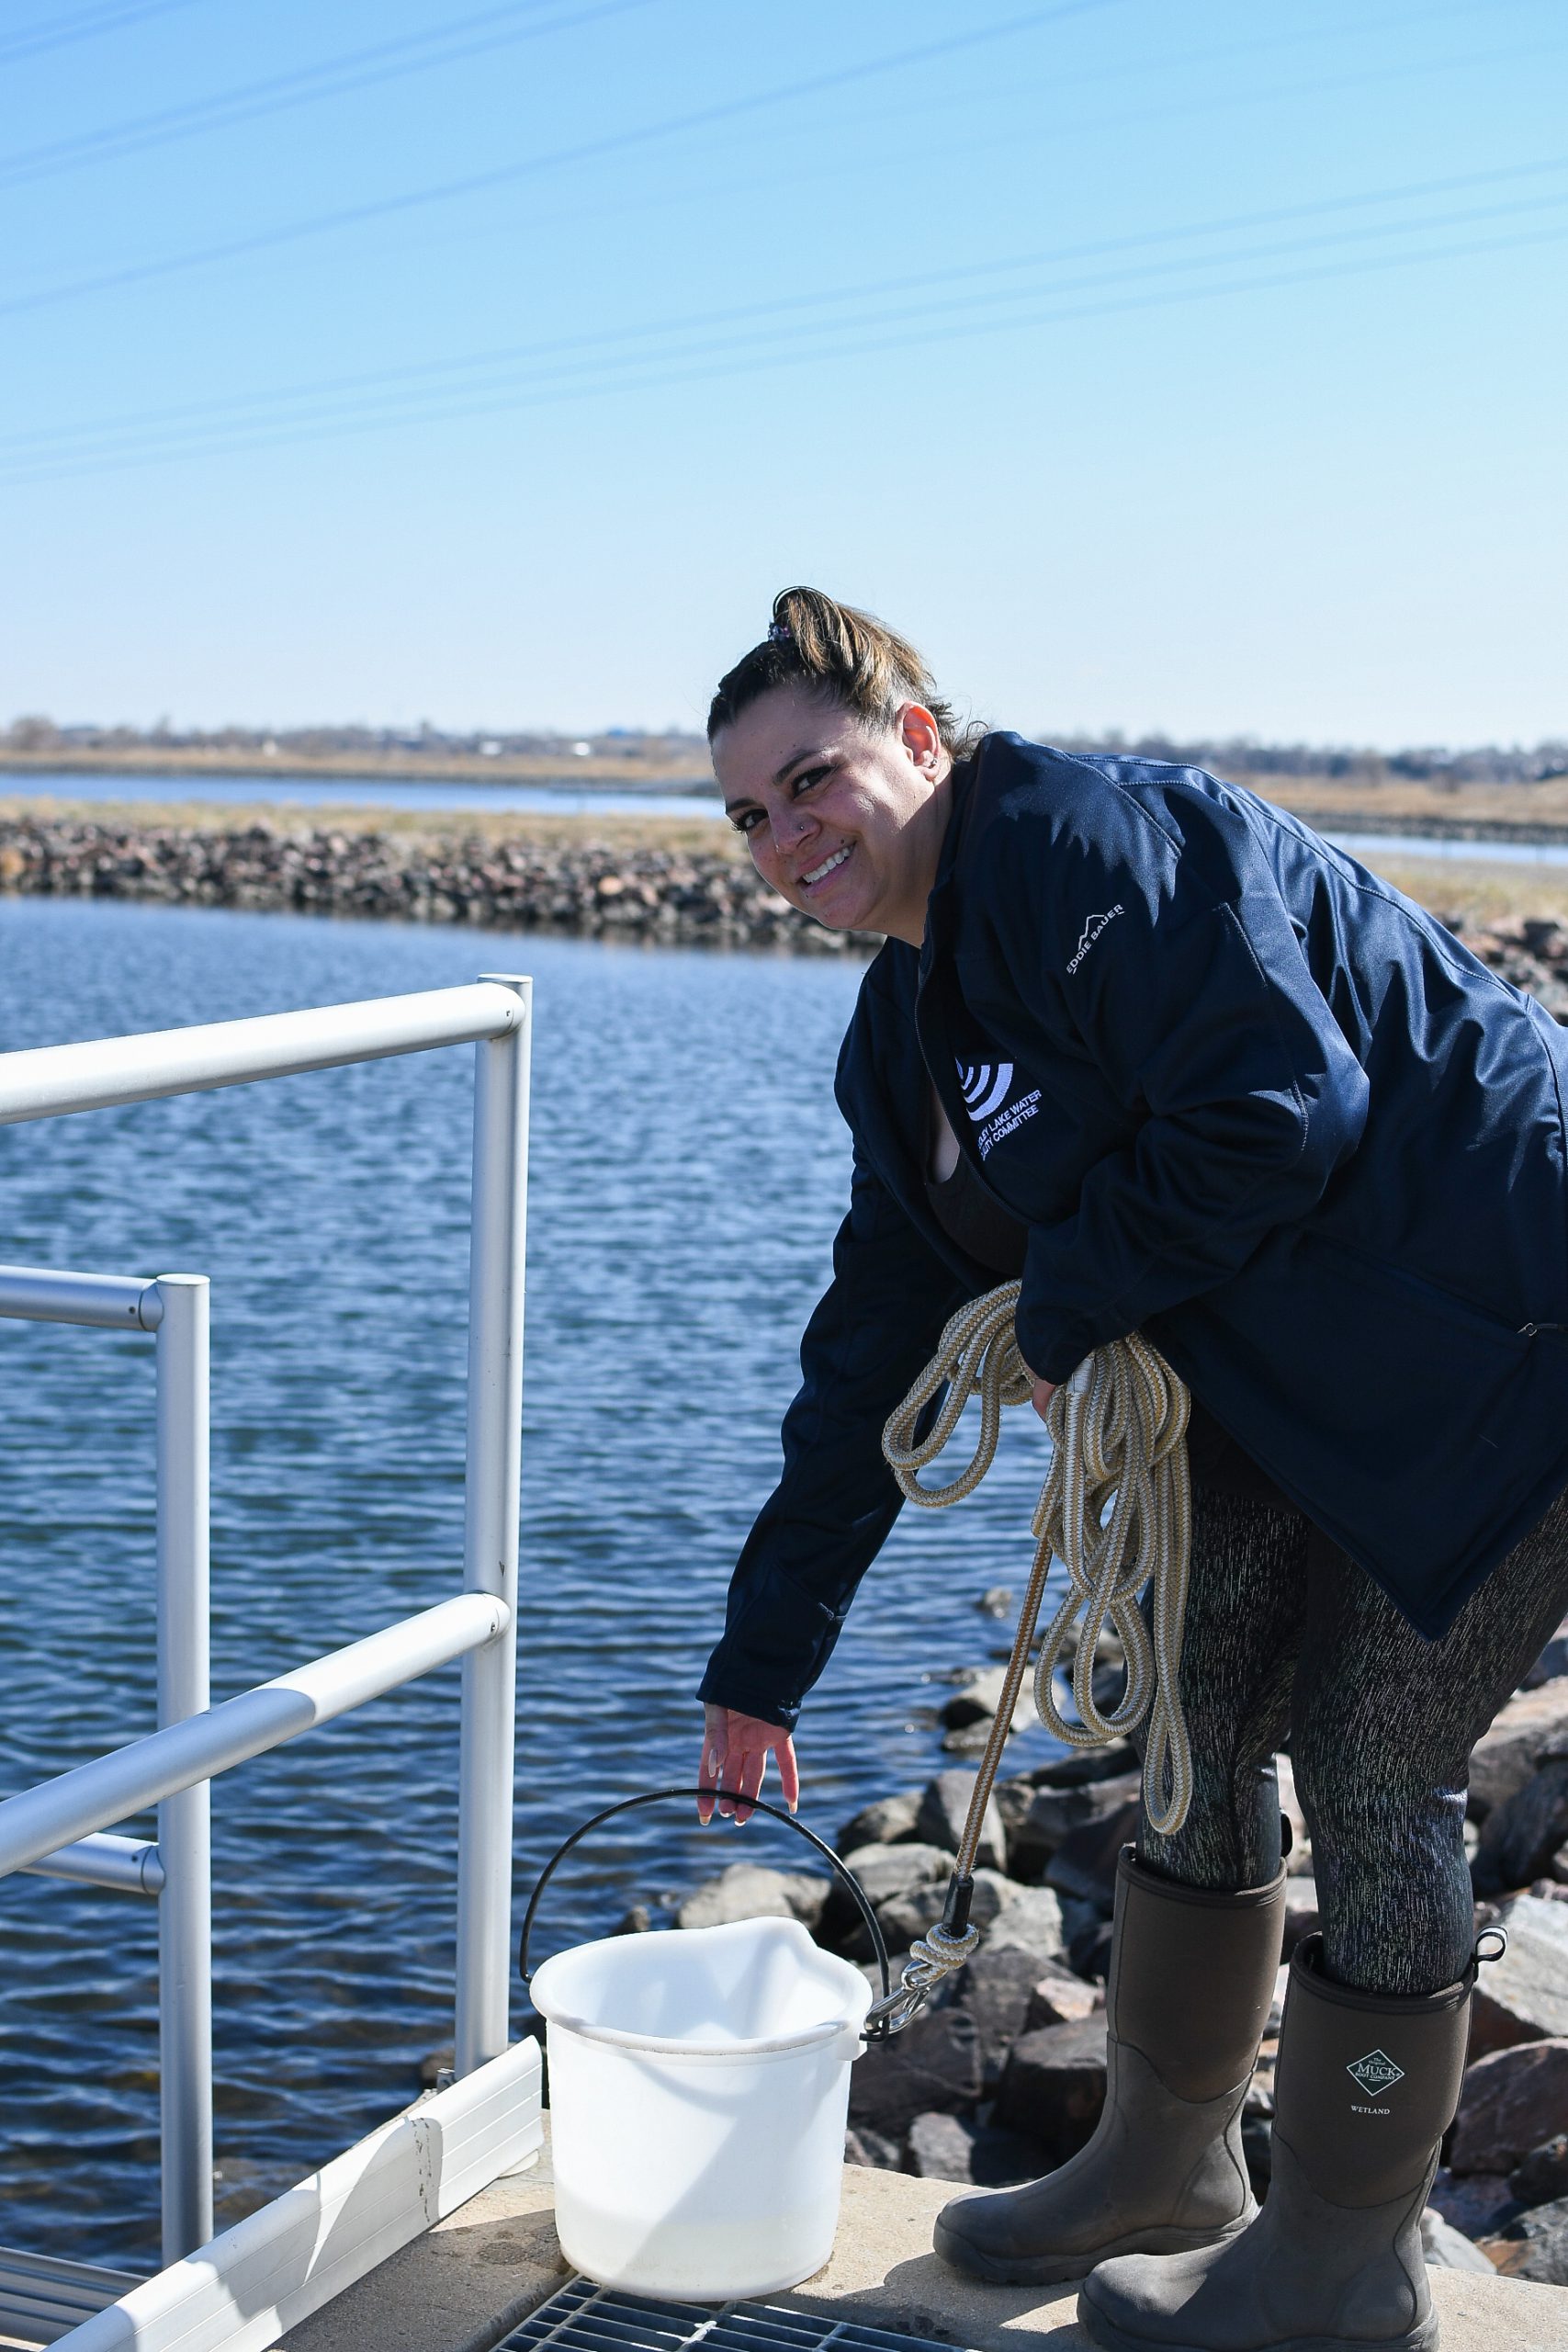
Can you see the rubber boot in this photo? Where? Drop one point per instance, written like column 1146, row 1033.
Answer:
column 1366, row 2088
column 1191, row 1978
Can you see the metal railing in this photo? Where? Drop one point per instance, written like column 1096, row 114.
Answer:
column 58, row 1829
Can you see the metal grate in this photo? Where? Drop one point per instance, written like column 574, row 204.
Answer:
column 585, row 2318
column 41, row 2297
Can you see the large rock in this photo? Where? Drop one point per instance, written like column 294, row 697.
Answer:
column 944, row 1808
column 1446, row 2248
column 1520, row 1835
column 979, row 2156
column 882, row 1824
column 1478, row 2203
column 978, row 1697
column 1030, row 1921
column 1058, row 1997
column 1081, row 1764
column 1054, row 1814
column 939, row 2148
column 933, row 2065
column 1052, row 2087
column 1524, row 1995
column 748, row 1891
column 886, row 1871
column 1009, row 1917
column 1535, row 2246
column 1511, row 2101
column 993, row 1988
column 1530, row 1728
column 1541, row 2177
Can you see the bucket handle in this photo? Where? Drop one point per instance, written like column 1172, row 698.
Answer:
column 657, row 1796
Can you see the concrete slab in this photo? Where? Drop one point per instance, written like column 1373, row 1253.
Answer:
column 462, row 2287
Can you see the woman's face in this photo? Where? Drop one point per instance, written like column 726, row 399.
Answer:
column 845, row 821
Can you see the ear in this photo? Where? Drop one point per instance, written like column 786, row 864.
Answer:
column 920, row 737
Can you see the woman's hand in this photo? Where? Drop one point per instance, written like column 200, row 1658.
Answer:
column 736, row 1749
column 1042, row 1392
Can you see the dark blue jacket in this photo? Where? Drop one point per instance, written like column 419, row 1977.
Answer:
column 1249, row 1101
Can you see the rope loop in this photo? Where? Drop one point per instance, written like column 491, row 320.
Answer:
column 1116, row 1509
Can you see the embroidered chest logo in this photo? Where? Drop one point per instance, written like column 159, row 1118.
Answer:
column 1375, row 2073
column 984, row 1086
column 1090, row 933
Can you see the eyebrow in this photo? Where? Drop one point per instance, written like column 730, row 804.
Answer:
column 748, row 799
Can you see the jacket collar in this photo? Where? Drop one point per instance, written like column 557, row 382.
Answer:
column 940, row 905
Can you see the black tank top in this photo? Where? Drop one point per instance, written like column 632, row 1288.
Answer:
column 970, row 1214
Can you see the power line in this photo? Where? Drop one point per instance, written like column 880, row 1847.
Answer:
column 110, row 16
column 384, row 382
column 813, row 343
column 358, row 68
column 587, row 151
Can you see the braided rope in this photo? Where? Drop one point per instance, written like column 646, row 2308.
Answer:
column 1115, row 1509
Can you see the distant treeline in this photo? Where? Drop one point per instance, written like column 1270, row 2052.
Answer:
column 1240, row 755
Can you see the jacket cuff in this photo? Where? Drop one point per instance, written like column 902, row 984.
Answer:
column 1054, row 1346
column 723, row 1686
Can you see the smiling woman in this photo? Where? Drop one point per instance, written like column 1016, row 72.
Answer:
column 833, row 751
column 1155, row 1049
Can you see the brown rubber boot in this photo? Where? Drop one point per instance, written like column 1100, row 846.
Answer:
column 1191, row 1978
column 1366, row 2088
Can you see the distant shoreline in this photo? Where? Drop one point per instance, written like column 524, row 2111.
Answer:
column 634, row 773
column 1525, row 814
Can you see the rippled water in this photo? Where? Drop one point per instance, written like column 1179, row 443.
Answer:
column 356, row 792
column 688, row 1170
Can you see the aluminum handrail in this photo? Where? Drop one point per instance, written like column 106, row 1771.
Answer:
column 43, row 1081
column 103, row 1302
column 56, row 1828
column 113, row 1787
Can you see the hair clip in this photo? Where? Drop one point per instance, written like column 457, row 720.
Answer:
column 780, row 633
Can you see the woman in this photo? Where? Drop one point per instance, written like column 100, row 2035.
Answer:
column 1147, row 1042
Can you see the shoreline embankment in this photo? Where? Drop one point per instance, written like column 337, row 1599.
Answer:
column 638, row 886
column 656, row 882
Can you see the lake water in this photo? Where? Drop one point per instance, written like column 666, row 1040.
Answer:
column 358, row 792
column 688, row 1170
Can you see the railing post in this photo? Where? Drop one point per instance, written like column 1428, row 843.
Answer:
column 490, row 1545
column 184, row 1849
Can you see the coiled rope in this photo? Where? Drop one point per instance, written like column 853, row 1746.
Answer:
column 1116, row 1509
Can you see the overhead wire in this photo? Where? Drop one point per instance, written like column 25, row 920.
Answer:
column 38, row 439
column 584, row 151
column 109, row 16
column 242, row 247
column 705, row 364
column 443, row 44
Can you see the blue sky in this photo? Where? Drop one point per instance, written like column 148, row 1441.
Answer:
column 1199, row 368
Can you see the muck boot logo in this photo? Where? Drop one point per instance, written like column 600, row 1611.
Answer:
column 1375, row 2073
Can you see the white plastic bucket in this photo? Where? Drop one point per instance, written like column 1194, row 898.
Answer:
column 699, row 2084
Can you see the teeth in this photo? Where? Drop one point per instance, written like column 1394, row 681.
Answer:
column 827, row 866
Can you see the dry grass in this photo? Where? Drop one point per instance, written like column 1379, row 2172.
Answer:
column 1481, row 892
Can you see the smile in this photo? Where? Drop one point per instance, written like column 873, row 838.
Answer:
column 828, row 866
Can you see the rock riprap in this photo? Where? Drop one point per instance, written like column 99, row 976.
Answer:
column 679, row 897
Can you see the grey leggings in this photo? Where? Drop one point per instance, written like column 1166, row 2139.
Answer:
column 1286, row 1636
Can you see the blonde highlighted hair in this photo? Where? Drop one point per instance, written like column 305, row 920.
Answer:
column 849, row 658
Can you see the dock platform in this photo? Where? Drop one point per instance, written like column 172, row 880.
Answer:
column 475, row 2276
